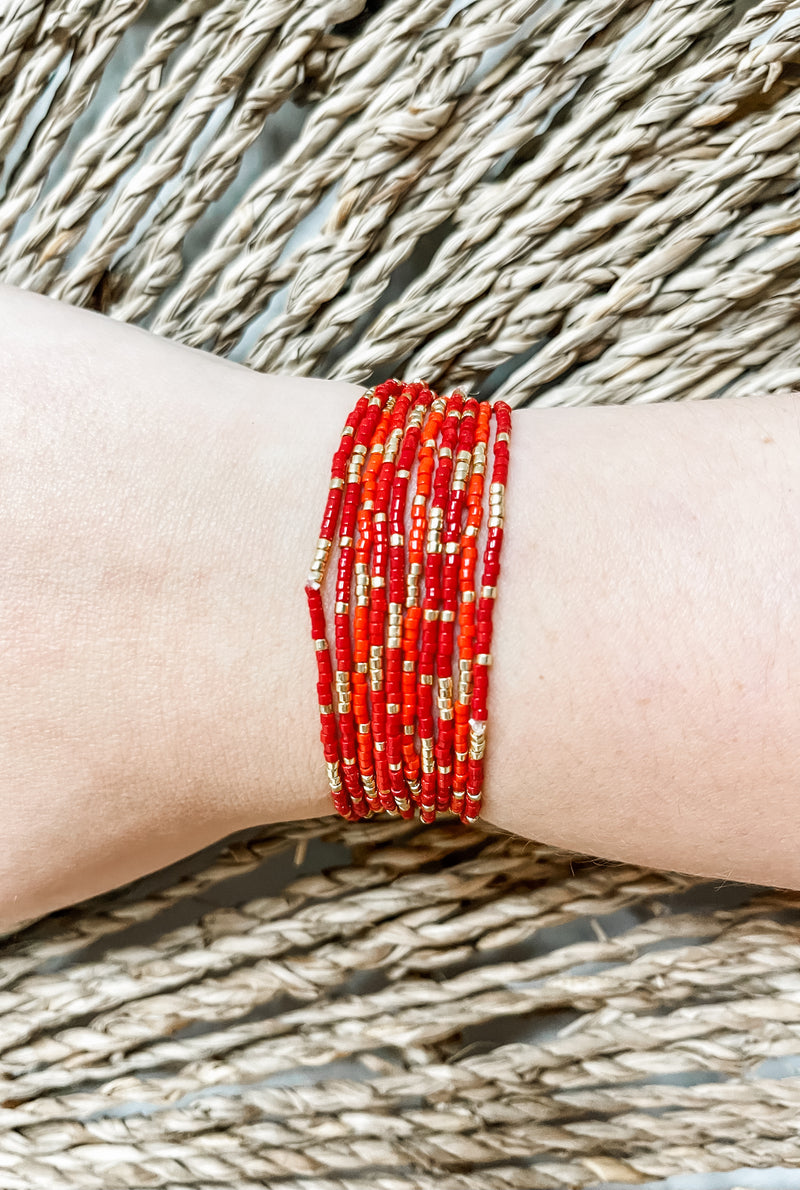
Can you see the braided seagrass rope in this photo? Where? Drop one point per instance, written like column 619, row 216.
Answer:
column 570, row 203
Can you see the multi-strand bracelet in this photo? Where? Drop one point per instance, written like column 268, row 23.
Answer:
column 402, row 608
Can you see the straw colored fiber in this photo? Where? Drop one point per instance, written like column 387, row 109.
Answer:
column 565, row 201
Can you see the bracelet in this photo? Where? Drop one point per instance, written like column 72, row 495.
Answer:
column 413, row 606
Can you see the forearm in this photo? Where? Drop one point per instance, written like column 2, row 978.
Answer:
column 158, row 510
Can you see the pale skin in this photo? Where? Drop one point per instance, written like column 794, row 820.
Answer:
column 158, row 512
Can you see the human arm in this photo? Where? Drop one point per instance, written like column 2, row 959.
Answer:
column 158, row 510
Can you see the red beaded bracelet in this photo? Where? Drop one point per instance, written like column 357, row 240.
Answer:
column 408, row 602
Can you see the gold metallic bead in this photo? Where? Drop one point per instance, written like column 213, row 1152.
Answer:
column 337, row 482
column 430, row 613
column 488, row 592
column 484, row 659
column 321, row 644
column 326, row 708
column 393, row 708
column 332, row 768
column 426, row 679
column 341, row 609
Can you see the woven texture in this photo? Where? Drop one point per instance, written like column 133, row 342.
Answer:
column 560, row 202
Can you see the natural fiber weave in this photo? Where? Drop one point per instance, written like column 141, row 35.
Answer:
column 567, row 201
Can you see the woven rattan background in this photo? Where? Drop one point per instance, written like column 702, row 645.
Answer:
column 567, row 201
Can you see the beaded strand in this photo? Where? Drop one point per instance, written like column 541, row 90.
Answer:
column 431, row 607
column 466, row 611
column 485, row 611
